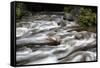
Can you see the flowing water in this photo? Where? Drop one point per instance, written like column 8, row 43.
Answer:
column 47, row 38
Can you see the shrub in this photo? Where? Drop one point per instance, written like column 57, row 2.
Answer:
column 87, row 17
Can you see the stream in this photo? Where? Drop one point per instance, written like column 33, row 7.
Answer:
column 45, row 38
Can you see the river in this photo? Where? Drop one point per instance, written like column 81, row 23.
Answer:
column 45, row 38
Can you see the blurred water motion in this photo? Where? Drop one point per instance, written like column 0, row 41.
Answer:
column 50, row 39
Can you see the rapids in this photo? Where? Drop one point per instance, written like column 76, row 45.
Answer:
column 47, row 38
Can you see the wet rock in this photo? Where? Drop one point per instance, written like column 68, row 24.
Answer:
column 78, row 36
column 68, row 17
column 85, row 34
column 20, row 31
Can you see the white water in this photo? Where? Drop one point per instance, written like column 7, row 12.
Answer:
column 70, row 47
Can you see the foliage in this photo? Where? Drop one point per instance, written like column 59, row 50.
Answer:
column 19, row 9
column 68, row 9
column 87, row 17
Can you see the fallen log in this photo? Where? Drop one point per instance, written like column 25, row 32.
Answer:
column 41, row 40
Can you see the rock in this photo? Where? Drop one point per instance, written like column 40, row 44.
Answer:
column 20, row 31
column 68, row 17
column 78, row 36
